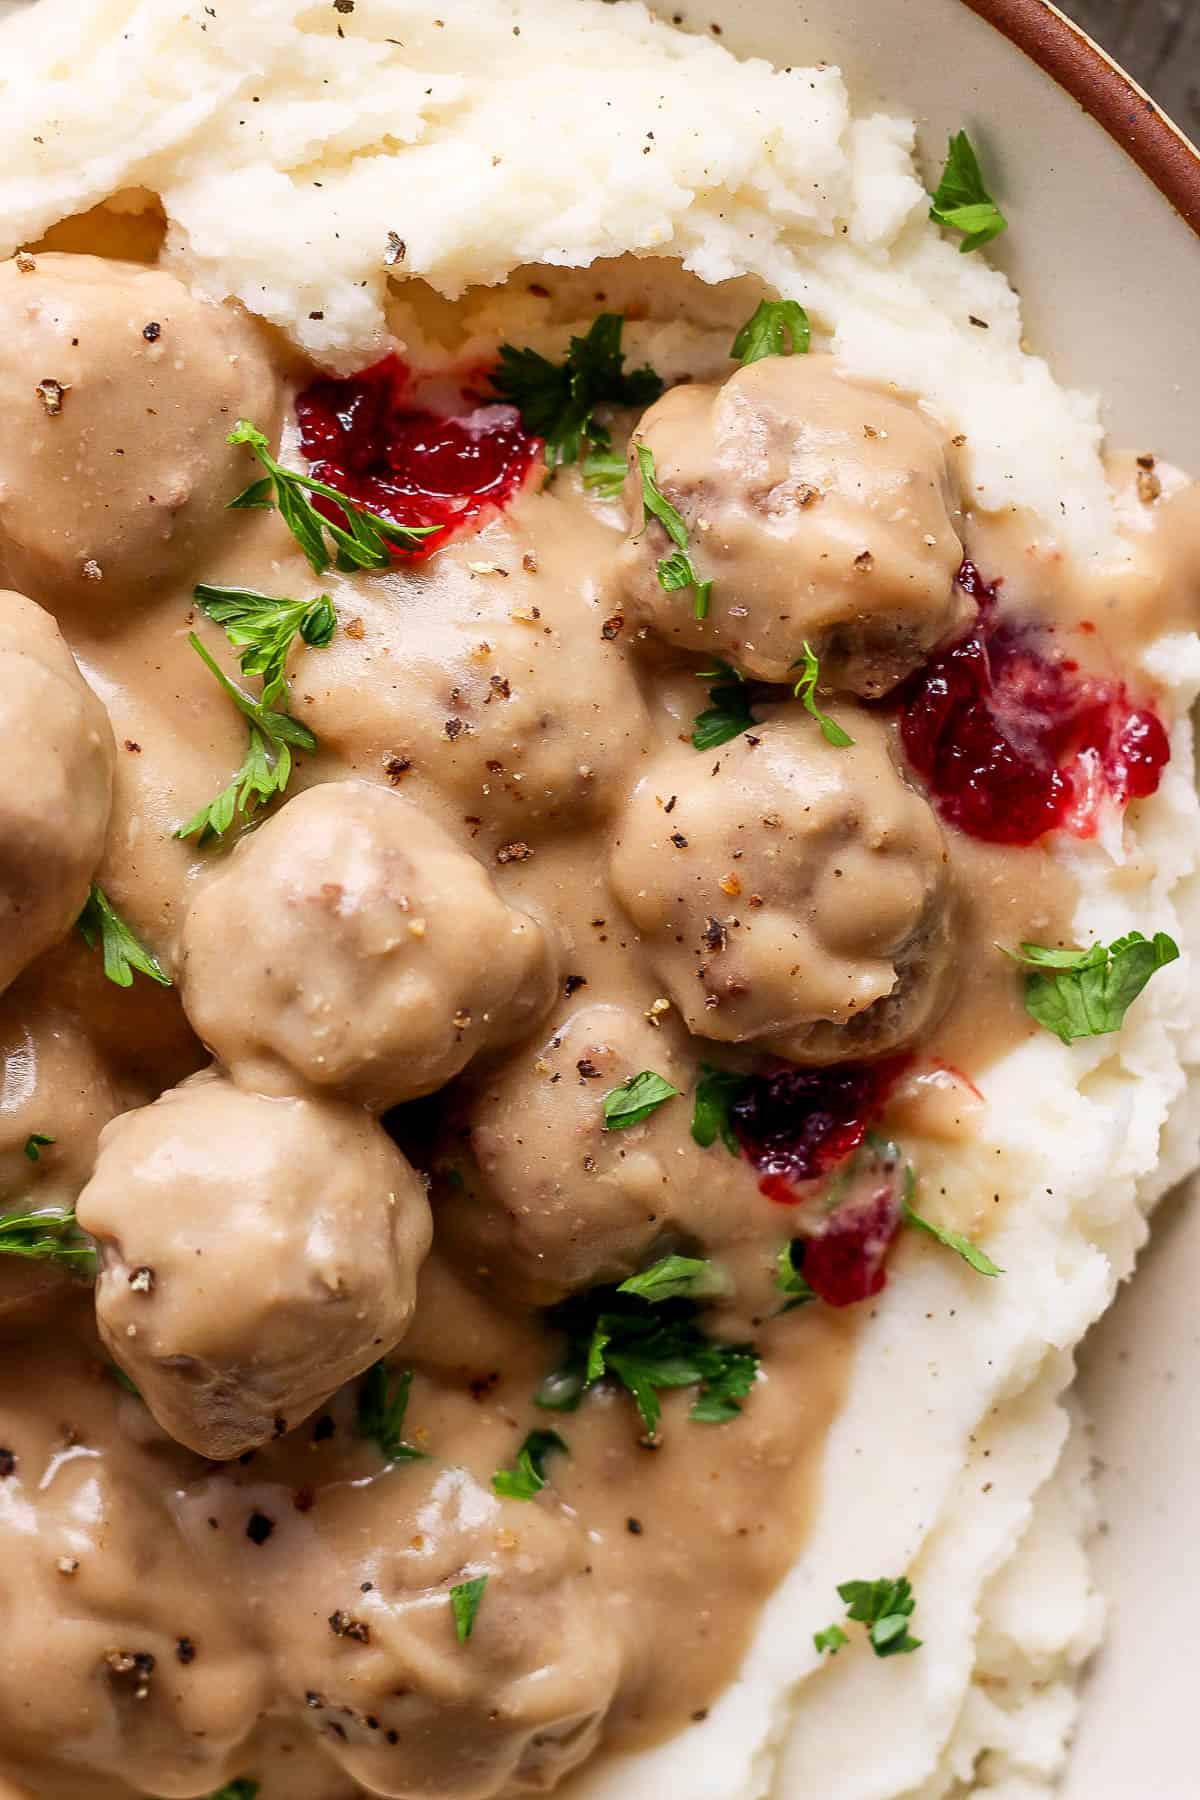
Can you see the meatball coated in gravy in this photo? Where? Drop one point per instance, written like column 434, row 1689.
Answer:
column 255, row 1254
column 820, row 510
column 339, row 1476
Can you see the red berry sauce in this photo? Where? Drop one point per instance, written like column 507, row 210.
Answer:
column 1015, row 740
column 846, row 1261
column 366, row 436
column 795, row 1124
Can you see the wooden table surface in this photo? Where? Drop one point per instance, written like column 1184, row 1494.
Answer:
column 1158, row 41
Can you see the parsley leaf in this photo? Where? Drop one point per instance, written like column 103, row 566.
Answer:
column 267, row 766
column 605, row 472
column 885, row 1607
column 123, row 954
column 1085, row 993
column 728, row 715
column 674, row 1278
column 529, row 1477
column 675, row 571
column 953, row 1240
column 789, row 1279
column 382, row 1404
column 806, row 692
column 464, row 1604
column 557, row 401
column 716, row 1092
column 122, row 1380
column 47, row 1237
column 635, row 1100
column 264, row 629
column 241, row 1789
column 648, row 1346
column 35, row 1143
column 774, row 328
column 831, row 1639
column 962, row 202
column 361, row 543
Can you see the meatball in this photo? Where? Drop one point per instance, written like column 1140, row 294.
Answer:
column 118, row 390
column 99, row 1588
column 820, row 510
column 538, row 1199
column 351, row 943
column 255, row 1253
column 58, row 776
column 368, row 1647
column 796, row 896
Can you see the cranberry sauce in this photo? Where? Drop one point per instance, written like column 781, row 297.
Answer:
column 795, row 1124
column 366, row 437
column 1014, row 739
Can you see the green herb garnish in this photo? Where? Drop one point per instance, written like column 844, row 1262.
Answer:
column 267, row 766
column 675, row 1278
column 1085, row 993
column 529, row 1477
column 635, row 1100
column 122, row 1380
column 35, row 1143
column 264, row 629
column 962, row 202
column 676, row 571
column 716, row 1092
column 379, row 1417
column 558, row 401
column 789, row 1277
column 806, row 692
column 729, row 713
column 47, row 1237
column 953, row 1240
column 774, row 328
column 362, row 543
column 885, row 1607
column 464, row 1604
column 123, row 955
column 604, row 472
column 831, row 1639
column 648, row 1346
column 241, row 1789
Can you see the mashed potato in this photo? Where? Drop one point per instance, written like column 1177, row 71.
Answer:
column 310, row 161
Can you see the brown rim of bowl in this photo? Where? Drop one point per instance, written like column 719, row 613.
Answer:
column 1104, row 90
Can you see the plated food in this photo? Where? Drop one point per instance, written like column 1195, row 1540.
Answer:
column 598, row 877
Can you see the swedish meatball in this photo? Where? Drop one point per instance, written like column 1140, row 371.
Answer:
column 392, row 1695
column 821, row 511
column 350, row 942
column 255, row 1253
column 797, row 897
column 98, row 1590
column 58, row 763
column 538, row 1199
column 118, row 389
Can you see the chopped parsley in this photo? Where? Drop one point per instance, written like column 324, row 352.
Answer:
column 123, row 955
column 241, row 1789
column 558, row 401
column 962, row 202
column 379, row 1417
column 122, row 1380
column 464, row 1604
column 363, row 542
column 648, row 1346
column 675, row 1278
column 47, row 1237
column 604, row 473
column 267, row 766
column 635, row 1100
column 35, row 1143
column 806, row 692
column 716, row 1092
column 884, row 1607
column 774, row 328
column 789, row 1277
column 1085, row 993
column 529, row 1477
column 264, row 629
column 962, row 1246
column 831, row 1639
column 675, row 571
column 728, row 713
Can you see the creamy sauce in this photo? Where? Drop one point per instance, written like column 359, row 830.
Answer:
column 170, row 1621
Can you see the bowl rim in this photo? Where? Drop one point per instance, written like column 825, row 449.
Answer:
column 1123, row 109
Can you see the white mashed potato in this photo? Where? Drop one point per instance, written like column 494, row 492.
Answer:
column 307, row 157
